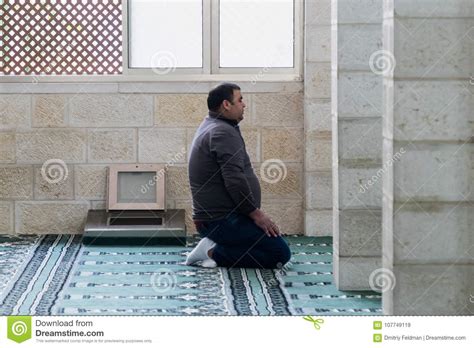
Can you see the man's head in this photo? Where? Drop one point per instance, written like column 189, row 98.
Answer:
column 227, row 100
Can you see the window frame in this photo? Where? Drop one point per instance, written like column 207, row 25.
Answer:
column 208, row 73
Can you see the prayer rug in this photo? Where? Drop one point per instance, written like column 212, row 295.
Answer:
column 58, row 275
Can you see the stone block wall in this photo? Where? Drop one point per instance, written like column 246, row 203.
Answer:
column 428, row 193
column 89, row 131
column 81, row 124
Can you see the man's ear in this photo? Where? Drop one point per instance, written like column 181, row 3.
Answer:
column 226, row 104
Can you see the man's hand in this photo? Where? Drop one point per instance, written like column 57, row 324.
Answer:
column 265, row 223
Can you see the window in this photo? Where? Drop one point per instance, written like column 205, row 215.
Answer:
column 150, row 38
column 165, row 34
column 60, row 37
column 256, row 33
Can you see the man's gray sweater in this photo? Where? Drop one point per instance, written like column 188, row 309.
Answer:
column 220, row 173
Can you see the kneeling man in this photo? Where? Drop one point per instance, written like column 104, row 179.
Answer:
column 226, row 192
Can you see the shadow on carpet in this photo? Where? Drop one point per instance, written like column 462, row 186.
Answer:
column 57, row 275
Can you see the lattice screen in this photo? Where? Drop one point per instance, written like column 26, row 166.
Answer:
column 60, row 37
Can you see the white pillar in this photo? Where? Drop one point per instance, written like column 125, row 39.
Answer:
column 357, row 141
column 317, row 118
column 428, row 205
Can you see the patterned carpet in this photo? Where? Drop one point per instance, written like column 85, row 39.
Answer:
column 57, row 275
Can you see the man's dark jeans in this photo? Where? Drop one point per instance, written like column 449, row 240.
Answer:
column 241, row 243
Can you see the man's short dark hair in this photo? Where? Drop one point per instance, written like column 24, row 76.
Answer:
column 224, row 91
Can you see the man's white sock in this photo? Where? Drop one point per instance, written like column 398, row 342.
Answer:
column 209, row 263
column 199, row 253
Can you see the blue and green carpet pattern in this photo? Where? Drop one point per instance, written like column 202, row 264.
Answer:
column 58, row 275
